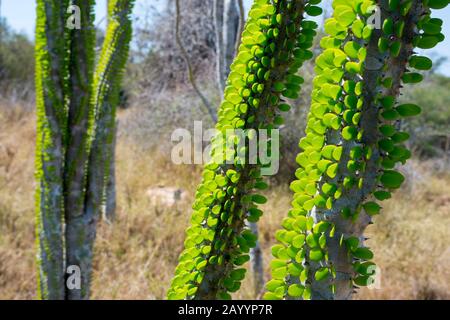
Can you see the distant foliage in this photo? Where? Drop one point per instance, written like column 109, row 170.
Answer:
column 16, row 63
column 430, row 133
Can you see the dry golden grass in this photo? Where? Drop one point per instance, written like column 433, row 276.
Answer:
column 135, row 257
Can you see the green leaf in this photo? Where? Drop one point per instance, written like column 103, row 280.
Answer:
column 349, row 133
column 272, row 296
column 298, row 241
column 437, row 4
column 272, row 285
column 390, row 115
column 351, row 49
column 315, row 254
column 408, row 110
column 321, row 274
column 332, row 170
column 337, row 153
column 295, row 290
column 257, row 198
column 352, row 243
column 363, row 280
column 420, row 63
column 399, row 137
column 366, row 268
column 238, row 274
column 279, row 273
column 321, row 227
column 386, row 144
column 295, row 269
column 300, row 223
column 382, row 195
column 284, row 107
column 392, row 179
column 395, row 48
column 372, row 208
column 393, row 4
column 362, row 253
column 313, row 11
column 427, row 42
column 388, row 26
column 353, row 67
column 278, row 263
column 387, row 130
column 383, row 44
column 239, row 261
column 357, row 28
column 344, row 15
column 412, row 77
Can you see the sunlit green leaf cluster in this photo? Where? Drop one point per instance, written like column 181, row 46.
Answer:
column 352, row 144
column 274, row 45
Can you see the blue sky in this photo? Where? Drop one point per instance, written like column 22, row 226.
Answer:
column 21, row 16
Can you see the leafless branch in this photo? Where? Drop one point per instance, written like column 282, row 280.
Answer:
column 191, row 75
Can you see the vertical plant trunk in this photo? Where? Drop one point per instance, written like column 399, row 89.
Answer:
column 80, row 127
column 76, row 124
column 378, row 66
column 351, row 147
column 107, row 81
column 240, row 4
column 230, row 36
column 110, row 188
column 51, row 72
column 256, row 261
column 218, row 14
column 109, row 213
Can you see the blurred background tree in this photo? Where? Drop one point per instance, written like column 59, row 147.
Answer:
column 16, row 64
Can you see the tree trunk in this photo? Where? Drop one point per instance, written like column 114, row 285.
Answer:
column 232, row 24
column 107, row 82
column 230, row 35
column 378, row 66
column 218, row 14
column 51, row 71
column 110, row 189
column 80, row 126
column 71, row 161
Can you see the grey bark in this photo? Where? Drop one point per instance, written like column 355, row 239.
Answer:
column 230, row 35
column 218, row 16
column 109, row 213
column 50, row 149
column 211, row 111
column 241, row 23
column 82, row 43
column 374, row 69
column 256, row 263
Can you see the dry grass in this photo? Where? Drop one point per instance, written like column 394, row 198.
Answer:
column 136, row 256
